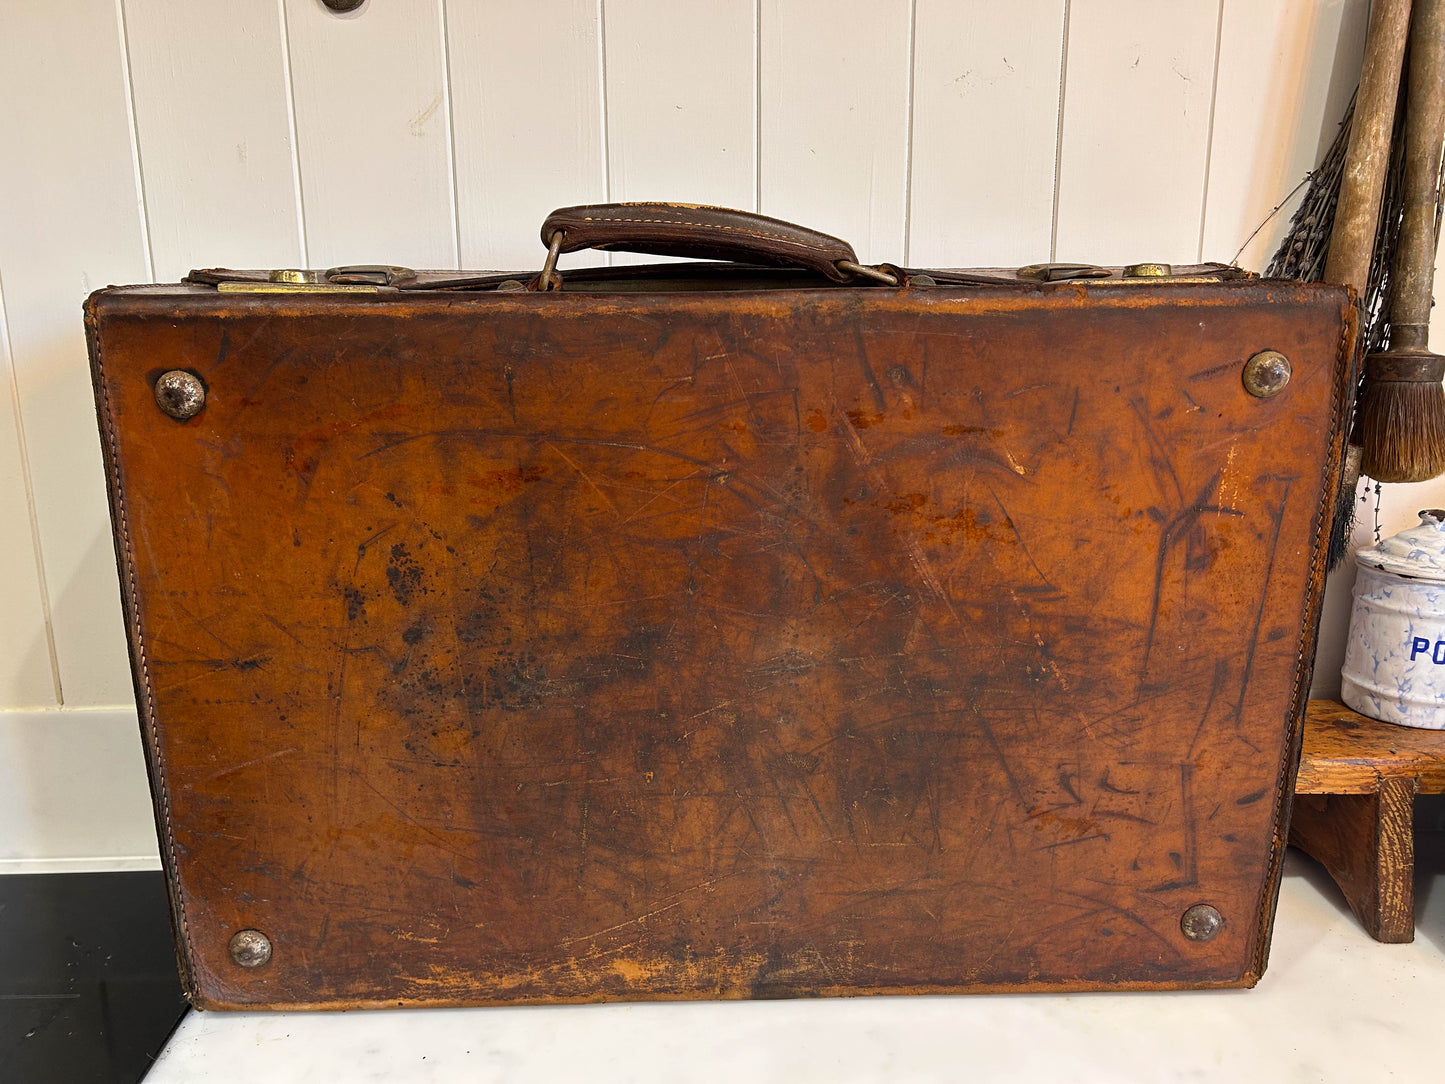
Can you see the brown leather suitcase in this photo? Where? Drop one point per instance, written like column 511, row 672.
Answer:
column 718, row 631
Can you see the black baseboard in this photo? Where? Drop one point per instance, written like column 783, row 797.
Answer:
column 88, row 984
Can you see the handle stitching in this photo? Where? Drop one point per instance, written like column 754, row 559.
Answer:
column 702, row 226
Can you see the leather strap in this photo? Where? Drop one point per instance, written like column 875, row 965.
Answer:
column 706, row 233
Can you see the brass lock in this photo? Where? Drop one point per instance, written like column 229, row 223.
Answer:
column 350, row 279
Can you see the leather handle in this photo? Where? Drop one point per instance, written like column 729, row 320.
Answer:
column 705, row 233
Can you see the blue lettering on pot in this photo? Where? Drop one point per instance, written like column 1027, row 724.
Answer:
column 1421, row 646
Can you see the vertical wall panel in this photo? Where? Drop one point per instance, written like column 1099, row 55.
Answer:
column 1134, row 152
column 73, row 792
column 212, row 121
column 985, row 130
column 1287, row 69
column 72, row 224
column 26, row 676
column 834, row 108
column 524, row 145
column 681, row 101
column 372, row 132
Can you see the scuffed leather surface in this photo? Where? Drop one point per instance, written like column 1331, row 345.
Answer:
column 542, row 647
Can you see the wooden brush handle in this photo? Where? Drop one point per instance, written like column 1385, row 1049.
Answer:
column 1357, row 214
column 1414, row 270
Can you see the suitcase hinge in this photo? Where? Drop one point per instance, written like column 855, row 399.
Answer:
column 1060, row 272
column 1134, row 274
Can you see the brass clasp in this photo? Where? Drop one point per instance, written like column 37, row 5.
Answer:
column 349, row 279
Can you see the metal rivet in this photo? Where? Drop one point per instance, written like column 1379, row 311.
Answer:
column 511, row 286
column 1148, row 271
column 1202, row 922
column 341, row 7
column 1266, row 374
column 250, row 948
column 180, row 394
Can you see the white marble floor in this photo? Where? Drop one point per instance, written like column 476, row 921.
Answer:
column 1333, row 1006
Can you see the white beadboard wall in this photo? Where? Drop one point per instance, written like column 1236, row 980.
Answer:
column 140, row 138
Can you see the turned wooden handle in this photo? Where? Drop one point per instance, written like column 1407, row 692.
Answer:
column 1357, row 214
column 1413, row 273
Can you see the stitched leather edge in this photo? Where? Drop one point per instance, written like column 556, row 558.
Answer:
column 1347, row 358
column 139, row 667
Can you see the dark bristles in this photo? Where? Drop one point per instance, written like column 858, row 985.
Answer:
column 1342, row 526
column 1402, row 428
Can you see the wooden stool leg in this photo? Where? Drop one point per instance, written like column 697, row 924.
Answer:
column 1367, row 843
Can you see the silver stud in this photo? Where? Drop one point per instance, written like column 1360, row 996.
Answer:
column 180, row 394
column 250, row 948
column 1266, row 374
column 1202, row 922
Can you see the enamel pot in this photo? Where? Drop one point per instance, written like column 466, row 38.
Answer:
column 1395, row 658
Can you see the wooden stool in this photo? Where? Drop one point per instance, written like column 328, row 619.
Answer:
column 1354, row 809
